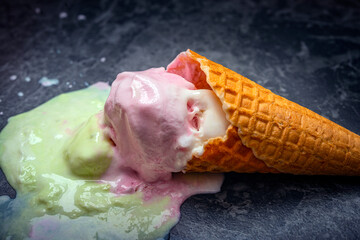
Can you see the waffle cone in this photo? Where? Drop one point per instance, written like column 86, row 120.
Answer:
column 269, row 133
column 227, row 154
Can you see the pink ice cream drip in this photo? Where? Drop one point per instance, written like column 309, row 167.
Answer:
column 178, row 188
column 148, row 121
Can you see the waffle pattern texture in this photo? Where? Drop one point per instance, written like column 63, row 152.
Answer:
column 227, row 154
column 281, row 134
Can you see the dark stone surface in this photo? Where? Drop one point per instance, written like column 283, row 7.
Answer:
column 306, row 51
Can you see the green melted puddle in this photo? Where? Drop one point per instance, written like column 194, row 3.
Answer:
column 54, row 203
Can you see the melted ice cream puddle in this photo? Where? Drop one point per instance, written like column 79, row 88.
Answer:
column 55, row 197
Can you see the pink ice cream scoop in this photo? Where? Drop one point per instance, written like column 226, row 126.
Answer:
column 157, row 121
column 148, row 119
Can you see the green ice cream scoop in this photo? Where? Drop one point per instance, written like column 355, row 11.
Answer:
column 89, row 152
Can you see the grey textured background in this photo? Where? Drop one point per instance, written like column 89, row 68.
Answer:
column 306, row 51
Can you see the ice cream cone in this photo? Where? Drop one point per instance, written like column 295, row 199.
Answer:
column 269, row 133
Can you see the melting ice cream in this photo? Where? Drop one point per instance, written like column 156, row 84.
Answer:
column 108, row 171
column 158, row 120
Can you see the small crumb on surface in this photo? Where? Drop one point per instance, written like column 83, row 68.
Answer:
column 81, row 17
column 47, row 82
column 27, row 79
column 69, row 85
column 63, row 15
column 20, row 94
column 103, row 59
column 13, row 77
column 1, row 113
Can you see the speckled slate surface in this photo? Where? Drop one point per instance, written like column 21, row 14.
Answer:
column 307, row 51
